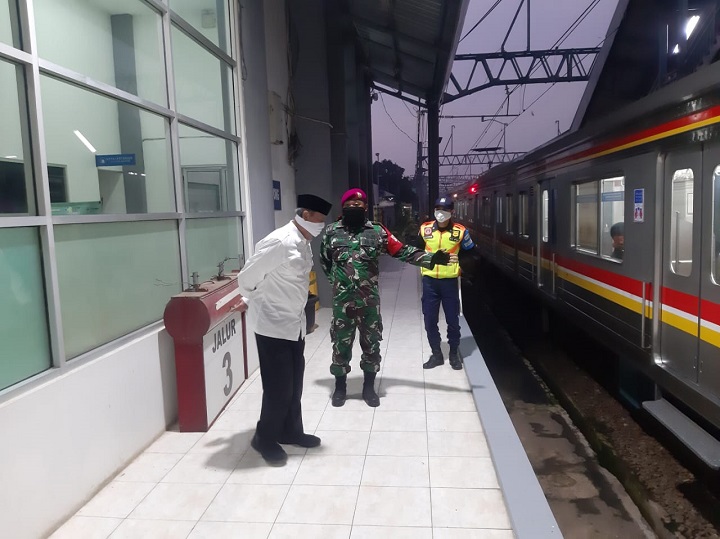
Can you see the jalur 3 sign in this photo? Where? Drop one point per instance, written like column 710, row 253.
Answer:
column 208, row 327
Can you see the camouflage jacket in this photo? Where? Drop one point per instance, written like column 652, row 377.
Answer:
column 350, row 260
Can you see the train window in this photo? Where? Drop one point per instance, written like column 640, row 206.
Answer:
column 681, row 225
column 586, row 216
column 545, row 216
column 612, row 215
column 716, row 227
column 498, row 208
column 510, row 214
column 486, row 211
column 523, row 215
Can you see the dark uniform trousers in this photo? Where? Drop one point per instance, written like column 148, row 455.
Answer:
column 435, row 292
column 282, row 367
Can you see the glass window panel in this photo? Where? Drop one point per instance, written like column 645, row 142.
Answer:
column 203, row 83
column 681, row 226
column 129, row 269
column 524, row 215
column 209, row 242
column 510, row 215
column 545, row 216
column 586, row 215
column 716, row 227
column 118, row 43
column 487, row 211
column 612, row 216
column 9, row 23
column 498, row 208
column 209, row 170
column 86, row 135
column 209, row 17
column 24, row 340
column 16, row 176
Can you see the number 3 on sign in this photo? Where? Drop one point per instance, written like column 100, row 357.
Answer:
column 227, row 361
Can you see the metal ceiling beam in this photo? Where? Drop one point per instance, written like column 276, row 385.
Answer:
column 542, row 66
column 387, row 79
column 398, row 94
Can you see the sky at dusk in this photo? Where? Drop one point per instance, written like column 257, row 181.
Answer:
column 536, row 125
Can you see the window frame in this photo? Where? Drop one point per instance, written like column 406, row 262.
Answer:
column 31, row 63
column 597, row 252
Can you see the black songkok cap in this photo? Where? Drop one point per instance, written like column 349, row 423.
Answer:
column 314, row 203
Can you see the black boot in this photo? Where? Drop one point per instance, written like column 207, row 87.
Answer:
column 455, row 360
column 270, row 451
column 436, row 359
column 338, row 397
column 369, row 396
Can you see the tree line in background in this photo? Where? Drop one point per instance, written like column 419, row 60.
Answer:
column 392, row 182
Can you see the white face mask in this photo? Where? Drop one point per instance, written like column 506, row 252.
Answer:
column 313, row 228
column 442, row 216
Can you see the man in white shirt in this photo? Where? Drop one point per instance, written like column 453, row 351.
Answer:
column 276, row 280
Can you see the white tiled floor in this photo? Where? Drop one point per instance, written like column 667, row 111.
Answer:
column 416, row 467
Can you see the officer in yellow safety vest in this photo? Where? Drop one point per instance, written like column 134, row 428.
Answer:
column 440, row 284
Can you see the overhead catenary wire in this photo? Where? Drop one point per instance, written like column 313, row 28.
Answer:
column 382, row 100
column 563, row 37
column 609, row 34
column 487, row 14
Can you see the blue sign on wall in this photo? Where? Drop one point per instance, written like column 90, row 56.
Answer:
column 276, row 195
column 113, row 160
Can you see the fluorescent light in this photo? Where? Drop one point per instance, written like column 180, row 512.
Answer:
column 676, row 50
column 85, row 141
column 691, row 24
column 10, row 157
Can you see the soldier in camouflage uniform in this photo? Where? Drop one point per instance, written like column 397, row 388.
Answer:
column 349, row 254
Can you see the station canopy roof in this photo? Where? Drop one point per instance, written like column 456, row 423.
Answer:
column 409, row 45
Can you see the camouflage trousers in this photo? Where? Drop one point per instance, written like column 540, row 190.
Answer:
column 367, row 319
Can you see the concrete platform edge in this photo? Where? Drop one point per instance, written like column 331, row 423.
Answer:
column 527, row 506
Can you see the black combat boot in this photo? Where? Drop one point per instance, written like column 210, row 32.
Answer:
column 338, row 397
column 270, row 451
column 455, row 360
column 436, row 359
column 369, row 396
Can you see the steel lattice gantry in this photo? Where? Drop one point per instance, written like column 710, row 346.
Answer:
column 524, row 67
column 485, row 158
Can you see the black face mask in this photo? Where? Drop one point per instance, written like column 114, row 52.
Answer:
column 353, row 217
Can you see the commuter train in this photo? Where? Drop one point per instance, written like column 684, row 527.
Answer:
column 545, row 220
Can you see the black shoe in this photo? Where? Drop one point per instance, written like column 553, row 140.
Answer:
column 304, row 440
column 369, row 396
column 340, row 394
column 436, row 359
column 455, row 360
column 270, row 451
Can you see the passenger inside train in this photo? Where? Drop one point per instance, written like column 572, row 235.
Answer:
column 617, row 233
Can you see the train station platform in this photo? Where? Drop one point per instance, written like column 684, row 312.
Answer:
column 438, row 459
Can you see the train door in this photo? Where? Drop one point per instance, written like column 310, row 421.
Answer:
column 709, row 360
column 546, row 237
column 681, row 264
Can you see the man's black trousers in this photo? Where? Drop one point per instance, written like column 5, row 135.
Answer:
column 282, row 367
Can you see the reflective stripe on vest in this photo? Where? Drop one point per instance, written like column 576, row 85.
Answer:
column 448, row 240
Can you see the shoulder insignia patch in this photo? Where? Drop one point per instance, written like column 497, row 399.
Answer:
column 428, row 231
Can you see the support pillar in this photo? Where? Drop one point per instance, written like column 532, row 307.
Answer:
column 433, row 153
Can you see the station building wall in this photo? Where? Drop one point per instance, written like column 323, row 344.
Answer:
column 175, row 95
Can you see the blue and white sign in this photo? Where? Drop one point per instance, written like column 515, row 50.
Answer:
column 114, row 160
column 639, row 210
column 276, row 195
